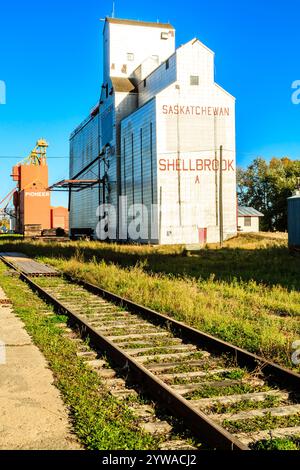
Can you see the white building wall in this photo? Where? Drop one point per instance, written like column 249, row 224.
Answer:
column 192, row 123
column 199, row 59
column 125, row 104
column 167, row 152
column 158, row 80
column 143, row 41
column 145, row 69
column 255, row 225
column 139, row 165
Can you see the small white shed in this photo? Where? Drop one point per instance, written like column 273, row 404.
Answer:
column 249, row 220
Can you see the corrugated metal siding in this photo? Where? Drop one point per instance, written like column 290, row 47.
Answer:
column 190, row 199
column 195, row 58
column 249, row 212
column 141, row 41
column 294, row 221
column 85, row 145
column 108, row 136
column 146, row 136
column 84, row 148
column 107, row 124
column 157, row 81
column 125, row 105
column 139, row 159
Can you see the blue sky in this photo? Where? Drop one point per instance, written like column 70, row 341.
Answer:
column 51, row 58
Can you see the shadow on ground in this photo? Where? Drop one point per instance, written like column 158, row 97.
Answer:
column 271, row 266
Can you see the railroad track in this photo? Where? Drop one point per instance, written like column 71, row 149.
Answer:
column 231, row 398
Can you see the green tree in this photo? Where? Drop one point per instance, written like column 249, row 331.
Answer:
column 266, row 187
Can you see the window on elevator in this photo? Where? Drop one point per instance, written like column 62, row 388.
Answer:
column 194, row 80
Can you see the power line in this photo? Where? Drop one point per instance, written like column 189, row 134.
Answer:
column 15, row 157
column 19, row 159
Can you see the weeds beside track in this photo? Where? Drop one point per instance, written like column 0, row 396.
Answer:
column 212, row 378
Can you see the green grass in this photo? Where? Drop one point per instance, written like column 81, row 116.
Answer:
column 277, row 444
column 100, row 421
column 247, row 293
column 245, row 405
column 10, row 237
column 222, row 309
column 211, row 391
column 266, row 423
column 234, row 375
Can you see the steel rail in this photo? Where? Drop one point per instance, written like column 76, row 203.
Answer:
column 197, row 421
column 199, row 338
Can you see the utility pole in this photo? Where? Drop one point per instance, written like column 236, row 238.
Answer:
column 178, row 160
column 221, row 215
column 216, row 173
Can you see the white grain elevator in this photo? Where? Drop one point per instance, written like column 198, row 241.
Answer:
column 154, row 142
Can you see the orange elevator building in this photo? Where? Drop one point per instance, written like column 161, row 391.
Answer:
column 32, row 199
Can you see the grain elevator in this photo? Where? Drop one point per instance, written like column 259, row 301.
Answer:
column 160, row 141
column 33, row 213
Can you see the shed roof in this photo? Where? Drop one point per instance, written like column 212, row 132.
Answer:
column 122, row 84
column 249, row 212
column 140, row 23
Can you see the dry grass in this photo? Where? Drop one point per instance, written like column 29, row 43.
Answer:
column 251, row 241
column 246, row 314
column 247, row 293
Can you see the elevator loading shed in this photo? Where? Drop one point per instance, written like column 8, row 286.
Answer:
column 249, row 220
column 154, row 142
